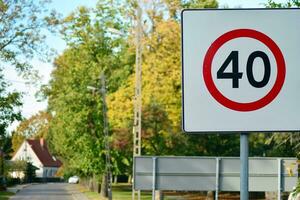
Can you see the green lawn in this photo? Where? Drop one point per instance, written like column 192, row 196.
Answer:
column 5, row 195
column 120, row 192
column 124, row 192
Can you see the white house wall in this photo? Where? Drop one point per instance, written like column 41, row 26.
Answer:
column 29, row 155
column 19, row 155
column 49, row 171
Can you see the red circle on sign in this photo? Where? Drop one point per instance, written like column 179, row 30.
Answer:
column 207, row 73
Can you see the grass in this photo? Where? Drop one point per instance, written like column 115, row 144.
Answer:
column 5, row 195
column 120, row 192
column 124, row 192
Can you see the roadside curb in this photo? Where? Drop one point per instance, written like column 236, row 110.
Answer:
column 76, row 193
column 17, row 188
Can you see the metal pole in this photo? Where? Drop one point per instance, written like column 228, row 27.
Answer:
column 153, row 177
column 217, row 178
column 244, row 153
column 137, row 124
column 279, row 179
column 106, row 138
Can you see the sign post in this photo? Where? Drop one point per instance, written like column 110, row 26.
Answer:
column 240, row 73
column 244, row 154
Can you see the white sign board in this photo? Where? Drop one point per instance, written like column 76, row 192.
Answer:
column 241, row 70
column 211, row 173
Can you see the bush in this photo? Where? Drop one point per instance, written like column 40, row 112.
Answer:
column 10, row 181
column 30, row 173
column 2, row 183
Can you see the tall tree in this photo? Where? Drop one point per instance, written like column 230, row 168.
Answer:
column 286, row 144
column 76, row 131
column 36, row 126
column 161, row 86
column 22, row 25
column 21, row 38
column 22, row 22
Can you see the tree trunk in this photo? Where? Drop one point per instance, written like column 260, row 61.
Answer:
column 104, row 186
column 95, row 189
column 115, row 179
column 159, row 195
column 210, row 195
column 270, row 195
column 129, row 179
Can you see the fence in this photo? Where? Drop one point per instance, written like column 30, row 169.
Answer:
column 213, row 173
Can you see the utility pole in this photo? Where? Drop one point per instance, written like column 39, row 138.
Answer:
column 106, row 138
column 137, row 125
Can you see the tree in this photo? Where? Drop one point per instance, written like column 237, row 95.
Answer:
column 29, row 172
column 175, row 6
column 22, row 22
column 9, row 104
column 36, row 126
column 22, row 25
column 288, row 4
column 21, row 31
column 76, row 128
column 20, row 39
column 161, row 86
column 282, row 143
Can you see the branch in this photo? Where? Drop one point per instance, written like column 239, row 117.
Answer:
column 15, row 36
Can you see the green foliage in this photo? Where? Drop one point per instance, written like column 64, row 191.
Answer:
column 200, row 4
column 277, row 144
column 35, row 127
column 7, row 146
column 175, row 6
column 6, row 195
column 21, row 38
column 286, row 144
column 76, row 129
column 289, row 4
column 18, row 165
column 22, row 22
column 29, row 173
column 9, row 102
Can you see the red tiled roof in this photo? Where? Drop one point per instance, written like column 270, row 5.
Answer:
column 40, row 148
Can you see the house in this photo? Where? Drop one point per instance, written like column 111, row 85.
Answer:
column 36, row 152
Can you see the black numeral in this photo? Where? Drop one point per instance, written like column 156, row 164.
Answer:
column 235, row 75
column 266, row 78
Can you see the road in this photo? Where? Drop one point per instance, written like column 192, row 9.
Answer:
column 49, row 191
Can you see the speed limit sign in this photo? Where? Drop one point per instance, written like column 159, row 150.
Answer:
column 241, row 70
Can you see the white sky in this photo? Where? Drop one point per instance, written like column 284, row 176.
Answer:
column 31, row 106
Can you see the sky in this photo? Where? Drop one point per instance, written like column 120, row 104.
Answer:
column 245, row 3
column 31, row 105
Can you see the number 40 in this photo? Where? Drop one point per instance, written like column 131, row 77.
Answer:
column 235, row 75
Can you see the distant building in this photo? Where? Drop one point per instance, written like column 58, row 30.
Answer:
column 36, row 152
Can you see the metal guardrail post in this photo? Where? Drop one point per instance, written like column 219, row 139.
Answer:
column 279, row 178
column 153, row 177
column 217, row 178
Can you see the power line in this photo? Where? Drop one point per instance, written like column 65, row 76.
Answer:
column 15, row 81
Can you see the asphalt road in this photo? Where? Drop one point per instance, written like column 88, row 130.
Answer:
column 49, row 191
